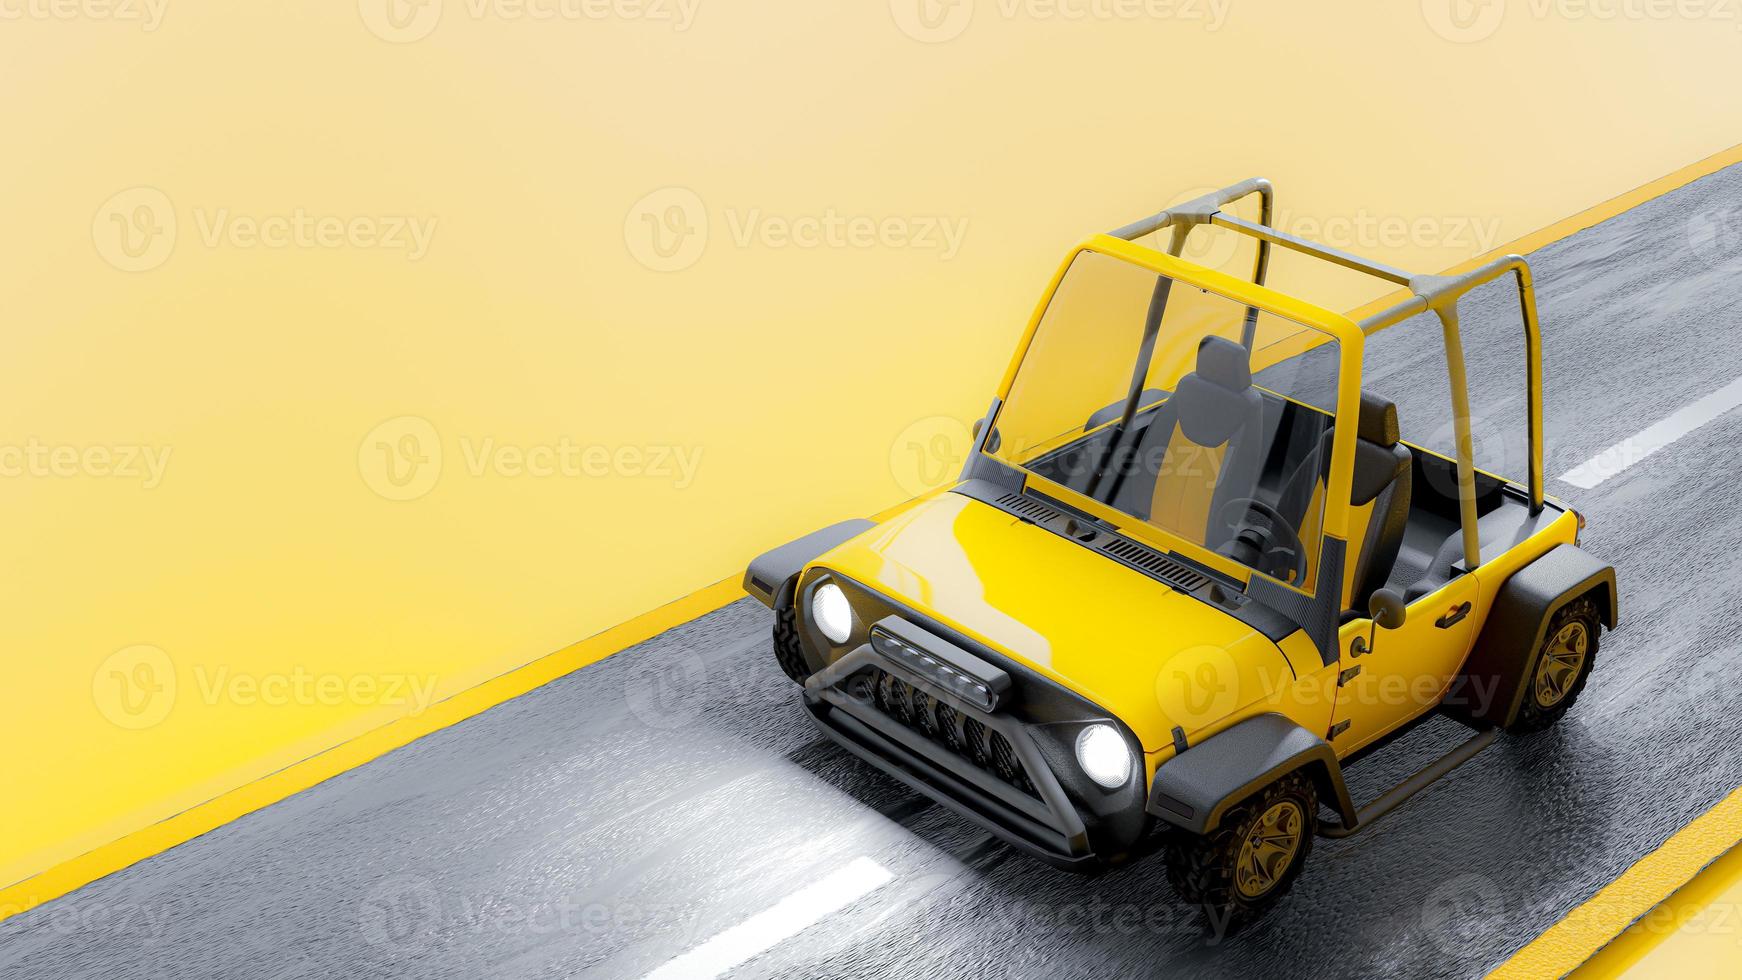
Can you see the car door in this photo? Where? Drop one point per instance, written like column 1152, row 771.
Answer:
column 1403, row 672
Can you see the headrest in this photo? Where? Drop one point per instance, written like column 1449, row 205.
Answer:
column 1378, row 423
column 1225, row 362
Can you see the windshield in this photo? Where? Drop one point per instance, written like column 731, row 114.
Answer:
column 1182, row 408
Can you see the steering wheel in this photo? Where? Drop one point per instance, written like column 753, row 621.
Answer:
column 1275, row 541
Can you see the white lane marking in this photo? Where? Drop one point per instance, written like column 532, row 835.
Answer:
column 1612, row 461
column 787, row 918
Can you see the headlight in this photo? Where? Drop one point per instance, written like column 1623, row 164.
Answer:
column 1103, row 756
column 834, row 615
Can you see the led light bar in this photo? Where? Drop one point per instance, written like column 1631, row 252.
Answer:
column 941, row 663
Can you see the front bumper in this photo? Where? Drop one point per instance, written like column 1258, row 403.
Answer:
column 1030, row 812
column 998, row 768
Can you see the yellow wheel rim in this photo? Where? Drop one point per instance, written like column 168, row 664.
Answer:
column 1561, row 662
column 1270, row 847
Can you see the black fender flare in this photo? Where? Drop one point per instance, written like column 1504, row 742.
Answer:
column 771, row 574
column 1489, row 689
column 1195, row 788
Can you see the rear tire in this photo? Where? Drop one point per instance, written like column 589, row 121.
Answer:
column 1560, row 668
column 1238, row 871
column 788, row 650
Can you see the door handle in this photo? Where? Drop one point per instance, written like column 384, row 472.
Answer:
column 1454, row 617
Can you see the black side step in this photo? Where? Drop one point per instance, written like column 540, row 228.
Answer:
column 1394, row 797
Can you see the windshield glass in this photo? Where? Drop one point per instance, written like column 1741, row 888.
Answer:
column 1181, row 408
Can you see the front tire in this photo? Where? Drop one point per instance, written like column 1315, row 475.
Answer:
column 1238, row 871
column 1560, row 668
column 788, row 651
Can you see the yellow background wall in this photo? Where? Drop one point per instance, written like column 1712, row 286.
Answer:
column 274, row 469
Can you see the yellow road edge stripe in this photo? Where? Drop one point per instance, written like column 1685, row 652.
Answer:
column 345, row 756
column 1596, row 934
column 1669, row 920
column 194, row 821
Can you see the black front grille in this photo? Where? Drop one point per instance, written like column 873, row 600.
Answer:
column 961, row 735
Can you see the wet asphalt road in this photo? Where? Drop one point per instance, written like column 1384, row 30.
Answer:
column 624, row 814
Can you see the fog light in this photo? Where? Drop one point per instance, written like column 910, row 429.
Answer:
column 832, row 611
column 1104, row 756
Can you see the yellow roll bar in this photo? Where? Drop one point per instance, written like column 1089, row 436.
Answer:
column 1436, row 293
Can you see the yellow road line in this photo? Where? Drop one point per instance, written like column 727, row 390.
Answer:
column 1603, row 923
column 1692, row 933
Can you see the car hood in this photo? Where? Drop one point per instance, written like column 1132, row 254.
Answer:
column 1151, row 656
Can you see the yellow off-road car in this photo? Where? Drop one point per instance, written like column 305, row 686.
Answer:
column 1190, row 572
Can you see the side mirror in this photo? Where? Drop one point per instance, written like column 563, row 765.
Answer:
column 1386, row 609
column 994, row 442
